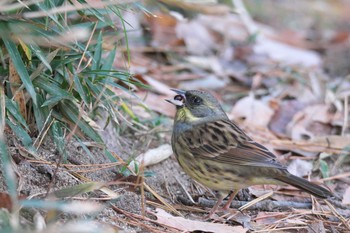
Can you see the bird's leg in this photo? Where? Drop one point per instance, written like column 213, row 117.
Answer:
column 228, row 203
column 217, row 204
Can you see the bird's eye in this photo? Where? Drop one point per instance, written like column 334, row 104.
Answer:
column 179, row 98
column 196, row 100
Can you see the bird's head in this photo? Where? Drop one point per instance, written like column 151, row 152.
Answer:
column 196, row 106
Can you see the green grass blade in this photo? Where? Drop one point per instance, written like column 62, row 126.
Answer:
column 7, row 171
column 77, row 189
column 40, row 113
column 20, row 67
column 40, row 54
column 97, row 54
column 58, row 138
column 21, row 134
column 80, row 89
column 108, row 63
column 12, row 108
column 72, row 112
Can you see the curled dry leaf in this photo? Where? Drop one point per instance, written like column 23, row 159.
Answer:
column 256, row 113
column 198, row 39
column 210, row 82
column 152, row 156
column 207, row 63
column 188, row 225
column 300, row 167
column 287, row 54
column 312, row 121
column 284, row 113
column 18, row 95
column 162, row 28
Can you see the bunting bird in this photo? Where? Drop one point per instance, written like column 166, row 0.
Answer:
column 215, row 152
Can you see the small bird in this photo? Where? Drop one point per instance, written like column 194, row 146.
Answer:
column 215, row 152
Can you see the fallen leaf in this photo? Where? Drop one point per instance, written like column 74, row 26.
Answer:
column 152, row 156
column 198, row 39
column 316, row 227
column 209, row 63
column 251, row 111
column 188, row 225
column 287, row 54
column 210, row 82
column 283, row 115
column 346, row 196
column 300, row 167
column 6, row 201
column 163, row 29
column 229, row 26
column 311, row 122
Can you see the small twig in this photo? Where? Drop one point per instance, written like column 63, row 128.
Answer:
column 338, row 215
column 337, row 204
column 186, row 192
column 336, row 177
column 54, row 175
column 154, row 193
column 283, row 229
column 138, row 220
column 255, row 201
column 346, row 114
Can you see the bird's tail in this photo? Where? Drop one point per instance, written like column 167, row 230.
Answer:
column 305, row 185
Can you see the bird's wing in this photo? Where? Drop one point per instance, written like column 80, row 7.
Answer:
column 225, row 142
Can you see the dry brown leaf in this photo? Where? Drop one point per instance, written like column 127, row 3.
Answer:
column 253, row 112
column 16, row 82
column 283, row 115
column 6, row 201
column 312, row 121
column 163, row 30
column 188, row 225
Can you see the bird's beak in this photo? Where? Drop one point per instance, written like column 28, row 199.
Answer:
column 177, row 103
column 179, row 92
